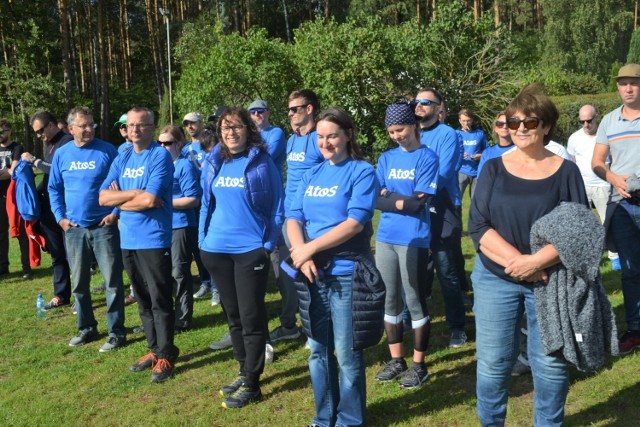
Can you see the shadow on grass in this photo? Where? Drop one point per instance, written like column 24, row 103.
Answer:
column 609, row 411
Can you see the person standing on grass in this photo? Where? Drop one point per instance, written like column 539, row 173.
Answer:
column 186, row 199
column 240, row 223
column 502, row 138
column 45, row 127
column 619, row 137
column 10, row 153
column 77, row 172
column 139, row 183
column 408, row 175
column 474, row 142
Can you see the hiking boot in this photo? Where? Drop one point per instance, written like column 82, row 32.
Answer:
column 629, row 342
column 414, row 376
column 242, row 397
column 457, row 339
column 162, row 371
column 281, row 334
column 392, row 370
column 202, row 292
column 229, row 389
column 83, row 337
column 268, row 353
column 145, row 362
column 56, row 302
column 215, row 298
column 225, row 342
column 113, row 343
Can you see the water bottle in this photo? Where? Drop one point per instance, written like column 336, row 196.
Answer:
column 40, row 307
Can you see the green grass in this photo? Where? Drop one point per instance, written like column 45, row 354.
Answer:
column 45, row 382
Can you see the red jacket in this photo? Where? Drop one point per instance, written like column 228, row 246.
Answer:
column 36, row 240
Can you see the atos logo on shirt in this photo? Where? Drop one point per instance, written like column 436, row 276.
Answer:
column 82, row 165
column 296, row 157
column 470, row 142
column 316, row 191
column 402, row 174
column 229, row 182
column 133, row 173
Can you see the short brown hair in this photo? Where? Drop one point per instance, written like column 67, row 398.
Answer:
column 309, row 96
column 533, row 100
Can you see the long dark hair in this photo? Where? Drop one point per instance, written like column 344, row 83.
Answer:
column 254, row 138
column 343, row 120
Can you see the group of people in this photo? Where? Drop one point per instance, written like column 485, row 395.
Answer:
column 223, row 199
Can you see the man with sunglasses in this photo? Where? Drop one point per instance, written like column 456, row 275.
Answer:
column 474, row 142
column 77, row 172
column 580, row 147
column 272, row 136
column 121, row 124
column 45, row 127
column 618, row 136
column 446, row 223
column 10, row 152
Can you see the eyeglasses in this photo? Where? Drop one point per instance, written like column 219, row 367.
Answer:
column 234, row 129
column 500, row 124
column 86, row 127
column 139, row 125
column 586, row 121
column 40, row 131
column 167, row 143
column 123, row 127
column 294, row 109
column 426, row 102
column 529, row 123
column 257, row 111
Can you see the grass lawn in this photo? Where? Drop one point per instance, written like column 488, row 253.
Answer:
column 45, row 382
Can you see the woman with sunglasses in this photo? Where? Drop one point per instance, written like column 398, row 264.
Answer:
column 502, row 138
column 240, row 222
column 186, row 199
column 513, row 192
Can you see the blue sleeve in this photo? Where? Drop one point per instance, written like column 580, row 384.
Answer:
column 56, row 189
column 189, row 183
column 160, row 174
column 203, row 220
column 427, row 175
column 364, row 194
column 113, row 175
column 381, row 171
column 295, row 207
column 277, row 211
column 450, row 157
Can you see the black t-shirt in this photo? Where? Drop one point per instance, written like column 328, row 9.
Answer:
column 7, row 155
column 510, row 205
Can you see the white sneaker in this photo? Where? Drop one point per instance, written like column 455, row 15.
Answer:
column 268, row 354
column 215, row 298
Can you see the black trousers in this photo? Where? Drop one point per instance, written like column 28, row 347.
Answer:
column 183, row 242
column 242, row 283
column 54, row 237
column 150, row 274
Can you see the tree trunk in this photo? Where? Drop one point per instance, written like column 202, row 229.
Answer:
column 154, row 51
column 93, row 60
column 80, row 46
column 286, row 20
column 66, row 60
column 327, row 10
column 496, row 9
column 104, row 70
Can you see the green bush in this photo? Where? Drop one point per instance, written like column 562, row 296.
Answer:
column 569, row 105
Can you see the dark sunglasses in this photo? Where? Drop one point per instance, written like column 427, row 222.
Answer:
column 257, row 111
column 500, row 124
column 40, row 131
column 426, row 102
column 294, row 109
column 529, row 123
column 586, row 121
column 167, row 143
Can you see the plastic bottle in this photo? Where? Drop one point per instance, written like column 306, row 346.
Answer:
column 40, row 307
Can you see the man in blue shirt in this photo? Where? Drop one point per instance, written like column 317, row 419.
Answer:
column 474, row 142
column 77, row 172
column 139, row 183
column 272, row 136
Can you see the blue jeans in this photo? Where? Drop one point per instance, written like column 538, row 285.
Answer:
column 498, row 307
column 625, row 231
column 340, row 397
column 104, row 242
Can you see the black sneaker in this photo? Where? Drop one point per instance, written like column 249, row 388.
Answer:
column 162, row 371
column 145, row 362
column 56, row 302
column 83, row 337
column 242, row 397
column 414, row 376
column 392, row 370
column 228, row 390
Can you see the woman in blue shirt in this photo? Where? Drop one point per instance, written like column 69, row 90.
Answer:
column 240, row 222
column 333, row 203
column 407, row 175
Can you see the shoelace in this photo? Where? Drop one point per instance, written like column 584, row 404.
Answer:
column 144, row 359
column 162, row 365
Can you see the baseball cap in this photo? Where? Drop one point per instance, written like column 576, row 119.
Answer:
column 259, row 103
column 121, row 121
column 629, row 70
column 192, row 117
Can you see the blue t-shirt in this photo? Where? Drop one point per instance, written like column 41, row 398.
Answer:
column 124, row 146
column 302, row 154
column 194, row 151
column 406, row 172
column 151, row 171
column 473, row 142
column 234, row 226
column 491, row 153
column 443, row 140
column 276, row 144
column 329, row 194
column 75, row 179
column 186, row 183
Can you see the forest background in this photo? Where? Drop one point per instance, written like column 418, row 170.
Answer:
column 360, row 55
